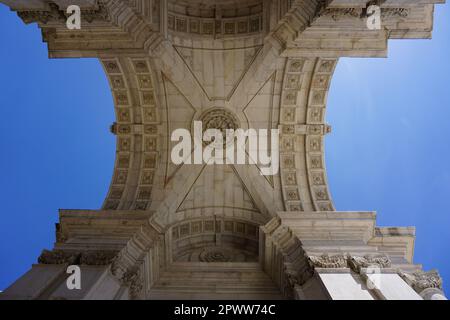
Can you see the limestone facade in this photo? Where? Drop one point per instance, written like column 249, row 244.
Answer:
column 224, row 231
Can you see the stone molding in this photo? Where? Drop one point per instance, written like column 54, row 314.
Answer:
column 355, row 263
column 97, row 258
column 58, row 257
column 360, row 13
column 143, row 28
column 56, row 14
column 92, row 258
column 327, row 261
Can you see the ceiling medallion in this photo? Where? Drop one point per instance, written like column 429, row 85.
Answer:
column 221, row 119
column 214, row 255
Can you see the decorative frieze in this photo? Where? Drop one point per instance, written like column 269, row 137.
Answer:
column 58, row 257
column 56, row 14
column 357, row 263
column 338, row 13
column 387, row 13
column 41, row 16
column 360, row 13
column 209, row 27
column 421, row 280
column 92, row 258
column 214, row 226
column 98, row 258
column 327, row 261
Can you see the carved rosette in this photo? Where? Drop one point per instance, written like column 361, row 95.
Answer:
column 215, row 255
column 220, row 119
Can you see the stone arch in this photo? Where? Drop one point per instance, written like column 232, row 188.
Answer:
column 287, row 64
column 136, row 128
column 305, row 89
column 305, row 84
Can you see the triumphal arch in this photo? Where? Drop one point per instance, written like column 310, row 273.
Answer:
column 224, row 231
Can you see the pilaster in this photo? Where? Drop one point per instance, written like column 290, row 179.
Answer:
column 342, row 255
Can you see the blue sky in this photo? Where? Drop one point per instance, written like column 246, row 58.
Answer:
column 389, row 150
column 56, row 148
column 390, row 146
